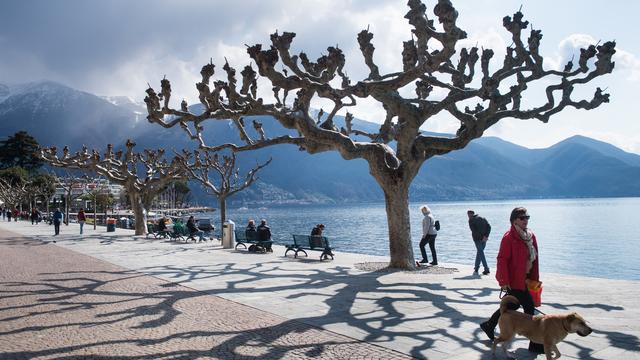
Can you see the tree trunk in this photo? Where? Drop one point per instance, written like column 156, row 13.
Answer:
column 66, row 210
column 95, row 213
column 223, row 212
column 139, row 212
column 396, row 199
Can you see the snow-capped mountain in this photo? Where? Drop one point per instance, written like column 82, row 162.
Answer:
column 126, row 102
column 49, row 110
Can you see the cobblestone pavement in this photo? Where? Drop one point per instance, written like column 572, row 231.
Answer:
column 59, row 304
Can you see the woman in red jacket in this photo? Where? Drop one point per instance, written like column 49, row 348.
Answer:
column 517, row 262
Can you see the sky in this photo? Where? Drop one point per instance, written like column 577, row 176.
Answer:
column 116, row 47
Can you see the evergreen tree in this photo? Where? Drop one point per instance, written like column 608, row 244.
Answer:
column 21, row 150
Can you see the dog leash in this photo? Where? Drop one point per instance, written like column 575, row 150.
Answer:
column 504, row 293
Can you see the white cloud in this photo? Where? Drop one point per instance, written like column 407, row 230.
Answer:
column 569, row 48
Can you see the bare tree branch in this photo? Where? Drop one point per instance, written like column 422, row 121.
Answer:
column 397, row 150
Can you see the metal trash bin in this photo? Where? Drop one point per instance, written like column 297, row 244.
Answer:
column 111, row 225
column 228, row 235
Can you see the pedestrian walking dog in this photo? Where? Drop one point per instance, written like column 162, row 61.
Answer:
column 548, row 330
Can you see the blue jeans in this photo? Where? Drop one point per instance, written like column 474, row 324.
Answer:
column 81, row 225
column 480, row 255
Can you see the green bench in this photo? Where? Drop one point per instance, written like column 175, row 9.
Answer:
column 308, row 242
column 152, row 229
column 252, row 240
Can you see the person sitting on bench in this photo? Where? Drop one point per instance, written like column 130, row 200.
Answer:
column 162, row 224
column 250, row 231
column 193, row 229
column 317, row 230
column 264, row 234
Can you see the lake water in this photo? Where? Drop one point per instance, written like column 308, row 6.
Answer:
column 587, row 237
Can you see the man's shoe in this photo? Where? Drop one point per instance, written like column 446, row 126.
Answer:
column 487, row 330
column 434, row 263
column 424, row 261
column 475, row 272
column 486, row 272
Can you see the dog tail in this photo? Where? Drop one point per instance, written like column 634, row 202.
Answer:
column 509, row 302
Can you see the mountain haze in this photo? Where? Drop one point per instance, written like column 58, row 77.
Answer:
column 489, row 168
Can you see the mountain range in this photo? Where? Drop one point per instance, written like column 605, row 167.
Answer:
column 488, row 168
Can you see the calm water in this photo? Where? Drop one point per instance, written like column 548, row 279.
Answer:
column 589, row 237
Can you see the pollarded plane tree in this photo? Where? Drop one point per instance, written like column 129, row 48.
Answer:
column 397, row 151
column 13, row 194
column 41, row 185
column 73, row 187
column 219, row 177
column 143, row 175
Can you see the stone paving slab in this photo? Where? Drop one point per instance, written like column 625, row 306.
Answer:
column 59, row 304
column 421, row 314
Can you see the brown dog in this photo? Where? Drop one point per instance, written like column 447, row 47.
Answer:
column 543, row 329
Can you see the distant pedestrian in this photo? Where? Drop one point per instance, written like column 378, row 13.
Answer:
column 34, row 216
column 9, row 215
column 429, row 234
column 3, row 213
column 16, row 213
column 81, row 219
column 57, row 220
column 480, row 231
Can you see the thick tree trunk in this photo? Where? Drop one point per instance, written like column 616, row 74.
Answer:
column 139, row 211
column 396, row 199
column 223, row 212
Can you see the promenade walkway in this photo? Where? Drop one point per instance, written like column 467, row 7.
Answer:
column 116, row 296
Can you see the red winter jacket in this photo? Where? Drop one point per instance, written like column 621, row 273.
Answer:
column 512, row 261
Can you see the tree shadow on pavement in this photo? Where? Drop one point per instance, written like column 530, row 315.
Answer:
column 147, row 312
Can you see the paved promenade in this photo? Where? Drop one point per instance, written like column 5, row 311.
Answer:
column 116, row 296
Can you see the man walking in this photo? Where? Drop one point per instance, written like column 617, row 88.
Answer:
column 480, row 230
column 81, row 218
column 57, row 220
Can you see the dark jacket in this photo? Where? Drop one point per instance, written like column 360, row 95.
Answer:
column 250, row 232
column 316, row 231
column 57, row 216
column 512, row 261
column 162, row 224
column 191, row 226
column 81, row 216
column 480, row 227
column 264, row 232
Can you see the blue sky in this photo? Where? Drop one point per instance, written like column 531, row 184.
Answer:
column 115, row 47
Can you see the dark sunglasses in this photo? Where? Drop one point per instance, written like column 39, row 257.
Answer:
column 524, row 217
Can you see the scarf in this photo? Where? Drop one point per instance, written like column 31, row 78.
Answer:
column 527, row 236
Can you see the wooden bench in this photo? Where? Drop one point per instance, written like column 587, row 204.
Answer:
column 252, row 239
column 308, row 242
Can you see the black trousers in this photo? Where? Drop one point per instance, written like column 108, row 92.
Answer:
column 431, row 240
column 525, row 300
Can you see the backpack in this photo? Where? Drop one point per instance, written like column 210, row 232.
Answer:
column 437, row 225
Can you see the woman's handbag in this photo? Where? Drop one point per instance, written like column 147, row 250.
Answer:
column 535, row 289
